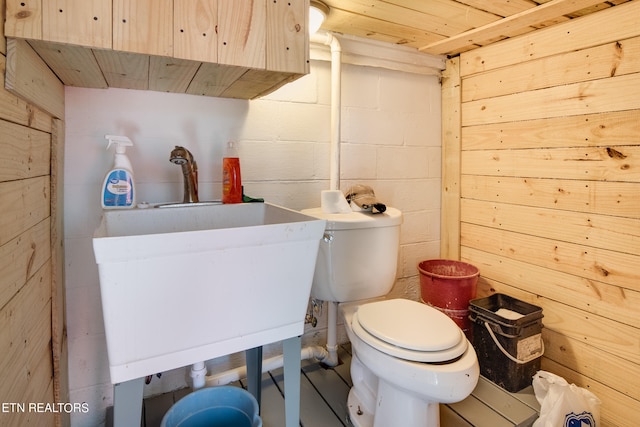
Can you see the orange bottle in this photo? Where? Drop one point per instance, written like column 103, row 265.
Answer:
column 231, row 179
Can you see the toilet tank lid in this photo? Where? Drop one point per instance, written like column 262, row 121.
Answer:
column 363, row 219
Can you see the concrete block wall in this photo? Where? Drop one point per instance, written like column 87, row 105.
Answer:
column 390, row 140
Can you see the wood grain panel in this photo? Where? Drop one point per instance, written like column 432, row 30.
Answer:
column 23, row 19
column 24, row 152
column 79, row 22
column 73, row 65
column 255, row 81
column 59, row 350
column 606, row 26
column 596, row 96
column 195, row 35
column 15, row 109
column 418, row 16
column 30, row 78
column 510, row 26
column 577, row 278
column 621, row 163
column 241, row 30
column 608, row 129
column 590, row 230
column 124, row 70
column 612, row 59
column 500, row 8
column 607, row 198
column 342, row 21
column 21, row 257
column 143, row 26
column 170, row 74
column 213, row 79
column 607, row 368
column 452, row 10
column 25, row 203
column 25, row 336
column 451, row 166
column 287, row 44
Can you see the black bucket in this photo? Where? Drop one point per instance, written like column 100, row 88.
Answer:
column 507, row 337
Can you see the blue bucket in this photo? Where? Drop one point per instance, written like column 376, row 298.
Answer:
column 225, row 406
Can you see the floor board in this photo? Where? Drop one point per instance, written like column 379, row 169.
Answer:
column 323, row 401
column 331, row 387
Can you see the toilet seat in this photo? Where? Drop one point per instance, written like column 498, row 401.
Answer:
column 409, row 330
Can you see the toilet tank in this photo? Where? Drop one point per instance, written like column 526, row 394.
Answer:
column 358, row 255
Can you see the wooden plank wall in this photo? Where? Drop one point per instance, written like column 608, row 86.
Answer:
column 32, row 338
column 549, row 200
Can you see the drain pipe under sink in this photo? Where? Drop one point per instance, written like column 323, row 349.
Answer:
column 327, row 356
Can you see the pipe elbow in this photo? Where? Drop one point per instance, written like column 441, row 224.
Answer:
column 335, row 45
column 326, row 356
column 327, row 39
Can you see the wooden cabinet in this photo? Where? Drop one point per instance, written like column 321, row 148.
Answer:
column 228, row 48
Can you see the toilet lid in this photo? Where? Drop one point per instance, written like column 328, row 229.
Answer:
column 409, row 330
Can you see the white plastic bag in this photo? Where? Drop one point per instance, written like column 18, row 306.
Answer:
column 563, row 404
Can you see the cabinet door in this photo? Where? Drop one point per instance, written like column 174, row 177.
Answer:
column 195, row 35
column 79, row 22
column 287, row 36
column 241, row 33
column 143, row 26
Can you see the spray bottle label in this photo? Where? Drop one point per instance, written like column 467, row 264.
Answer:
column 118, row 190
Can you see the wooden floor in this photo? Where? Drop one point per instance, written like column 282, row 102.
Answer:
column 323, row 396
column 323, row 401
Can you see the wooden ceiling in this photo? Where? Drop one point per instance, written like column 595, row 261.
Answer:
column 449, row 27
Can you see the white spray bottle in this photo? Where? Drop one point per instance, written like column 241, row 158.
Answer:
column 118, row 190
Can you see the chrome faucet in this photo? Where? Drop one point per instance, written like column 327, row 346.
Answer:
column 183, row 157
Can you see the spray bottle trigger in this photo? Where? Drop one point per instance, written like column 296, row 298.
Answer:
column 120, row 141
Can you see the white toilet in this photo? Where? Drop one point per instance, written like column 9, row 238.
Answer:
column 407, row 356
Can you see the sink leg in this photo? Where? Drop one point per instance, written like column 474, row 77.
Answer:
column 127, row 403
column 254, row 372
column 291, row 351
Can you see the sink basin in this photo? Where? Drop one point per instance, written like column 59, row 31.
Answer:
column 188, row 284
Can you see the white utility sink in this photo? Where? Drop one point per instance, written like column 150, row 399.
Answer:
column 188, row 284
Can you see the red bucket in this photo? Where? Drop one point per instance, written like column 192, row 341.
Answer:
column 448, row 285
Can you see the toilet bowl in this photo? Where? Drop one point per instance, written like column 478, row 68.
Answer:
column 407, row 359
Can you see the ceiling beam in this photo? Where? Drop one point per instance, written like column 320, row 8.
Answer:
column 508, row 26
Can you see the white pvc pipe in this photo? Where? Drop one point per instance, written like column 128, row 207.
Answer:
column 332, row 334
column 198, row 375
column 336, row 105
column 328, row 356
column 270, row 364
